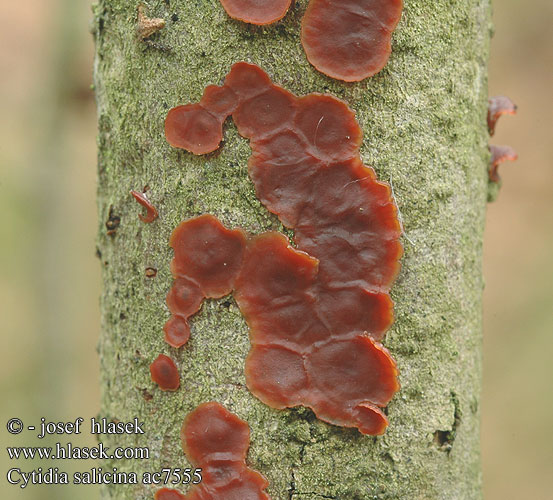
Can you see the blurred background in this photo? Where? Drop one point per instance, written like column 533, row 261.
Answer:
column 50, row 278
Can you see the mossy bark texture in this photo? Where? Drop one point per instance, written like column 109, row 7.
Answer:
column 424, row 122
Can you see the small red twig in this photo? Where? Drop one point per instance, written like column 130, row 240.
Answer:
column 151, row 211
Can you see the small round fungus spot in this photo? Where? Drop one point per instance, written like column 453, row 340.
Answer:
column 177, row 331
column 349, row 39
column 193, row 128
column 185, row 297
column 208, row 254
column 211, row 432
column 165, row 373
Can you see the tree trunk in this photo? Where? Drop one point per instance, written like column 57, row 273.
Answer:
column 424, row 126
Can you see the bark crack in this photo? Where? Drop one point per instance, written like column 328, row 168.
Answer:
column 444, row 439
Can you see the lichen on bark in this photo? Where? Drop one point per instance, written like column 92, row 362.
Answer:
column 424, row 123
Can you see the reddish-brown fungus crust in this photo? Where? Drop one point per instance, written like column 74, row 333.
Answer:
column 256, row 11
column 349, row 40
column 168, row 494
column 498, row 106
column 208, row 254
column 193, row 128
column 316, row 314
column 499, row 155
column 301, row 353
column 177, row 331
column 151, row 211
column 207, row 259
column 165, row 373
column 217, row 441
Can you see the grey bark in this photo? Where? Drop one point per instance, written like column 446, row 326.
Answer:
column 423, row 118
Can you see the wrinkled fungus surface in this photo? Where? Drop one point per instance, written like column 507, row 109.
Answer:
column 151, row 211
column 498, row 106
column 165, row 373
column 349, row 39
column 217, row 441
column 316, row 313
column 256, row 11
column 500, row 154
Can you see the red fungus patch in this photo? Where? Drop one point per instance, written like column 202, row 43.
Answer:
column 217, row 441
column 499, row 155
column 349, row 39
column 207, row 260
column 193, row 128
column 207, row 254
column 498, row 106
column 345, row 39
column 168, row 494
column 165, row 373
column 151, row 211
column 302, row 352
column 315, row 314
column 256, row 11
